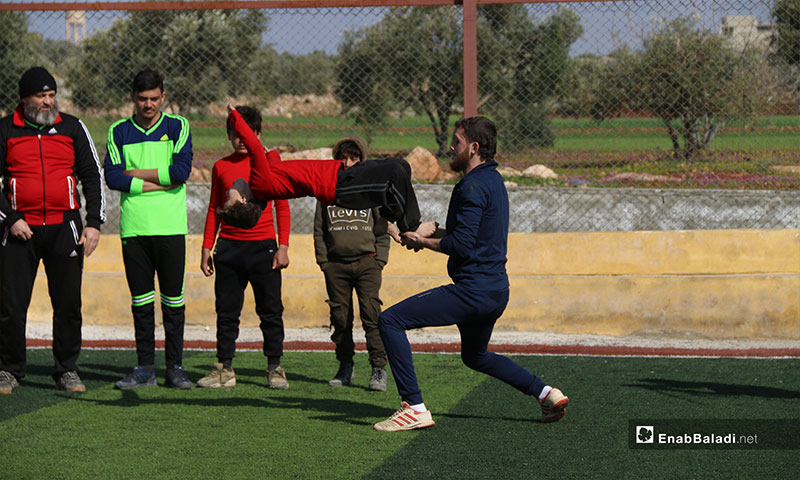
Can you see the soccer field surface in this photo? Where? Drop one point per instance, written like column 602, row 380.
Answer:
column 484, row 429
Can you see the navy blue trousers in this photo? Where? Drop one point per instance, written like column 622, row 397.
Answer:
column 474, row 312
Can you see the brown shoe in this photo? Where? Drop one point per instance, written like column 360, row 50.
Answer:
column 70, row 382
column 8, row 383
column 218, row 378
column 277, row 379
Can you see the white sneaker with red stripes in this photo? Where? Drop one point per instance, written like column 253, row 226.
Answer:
column 405, row 419
column 554, row 406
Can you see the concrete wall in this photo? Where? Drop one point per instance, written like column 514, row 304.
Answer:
column 537, row 209
column 716, row 284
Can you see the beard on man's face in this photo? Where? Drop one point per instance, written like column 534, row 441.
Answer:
column 41, row 117
column 459, row 161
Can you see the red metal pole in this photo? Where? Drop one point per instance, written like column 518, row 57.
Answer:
column 470, row 58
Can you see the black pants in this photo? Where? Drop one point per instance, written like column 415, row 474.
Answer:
column 383, row 183
column 238, row 263
column 363, row 276
column 57, row 247
column 144, row 257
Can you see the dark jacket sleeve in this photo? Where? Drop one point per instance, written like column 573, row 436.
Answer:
column 87, row 167
column 382, row 242
column 461, row 241
column 182, row 156
column 7, row 214
column 320, row 248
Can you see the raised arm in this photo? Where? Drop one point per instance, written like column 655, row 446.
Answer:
column 260, row 174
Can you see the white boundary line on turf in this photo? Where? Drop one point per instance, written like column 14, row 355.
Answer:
column 514, row 354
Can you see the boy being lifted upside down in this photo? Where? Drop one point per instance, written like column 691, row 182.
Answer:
column 375, row 183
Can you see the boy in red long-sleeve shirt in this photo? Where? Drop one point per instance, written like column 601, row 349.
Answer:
column 376, row 183
column 245, row 255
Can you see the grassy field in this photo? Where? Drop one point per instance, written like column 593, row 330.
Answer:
column 626, row 152
column 623, row 134
column 484, row 429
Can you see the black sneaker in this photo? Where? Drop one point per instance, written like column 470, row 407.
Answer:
column 139, row 377
column 344, row 376
column 177, row 378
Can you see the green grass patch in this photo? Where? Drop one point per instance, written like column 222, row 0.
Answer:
column 484, row 429
column 586, row 152
column 620, row 134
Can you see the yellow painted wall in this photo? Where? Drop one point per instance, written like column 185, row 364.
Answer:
column 715, row 284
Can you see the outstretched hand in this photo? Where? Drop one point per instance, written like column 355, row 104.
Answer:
column 231, row 108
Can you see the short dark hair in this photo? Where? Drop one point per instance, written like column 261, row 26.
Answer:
column 242, row 215
column 349, row 147
column 251, row 117
column 147, row 79
column 483, row 131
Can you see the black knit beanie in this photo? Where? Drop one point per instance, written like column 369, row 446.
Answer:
column 36, row 80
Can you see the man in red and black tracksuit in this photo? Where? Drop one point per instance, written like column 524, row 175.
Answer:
column 43, row 156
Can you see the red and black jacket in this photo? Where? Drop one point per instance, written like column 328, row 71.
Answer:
column 41, row 167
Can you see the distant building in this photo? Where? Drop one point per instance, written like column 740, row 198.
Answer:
column 744, row 31
column 76, row 26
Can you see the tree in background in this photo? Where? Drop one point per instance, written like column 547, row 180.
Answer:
column 520, row 62
column 377, row 73
column 525, row 66
column 292, row 74
column 786, row 41
column 690, row 79
column 581, row 79
column 16, row 55
column 204, row 54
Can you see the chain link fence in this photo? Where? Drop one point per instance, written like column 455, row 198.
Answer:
column 612, row 115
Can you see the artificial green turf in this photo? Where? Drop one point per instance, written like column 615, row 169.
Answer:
column 484, row 429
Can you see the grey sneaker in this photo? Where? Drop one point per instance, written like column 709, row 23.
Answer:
column 377, row 381
column 139, row 377
column 176, row 378
column 277, row 379
column 8, row 383
column 344, row 376
column 218, row 378
column 70, row 382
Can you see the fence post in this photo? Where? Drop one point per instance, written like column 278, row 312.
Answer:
column 470, row 58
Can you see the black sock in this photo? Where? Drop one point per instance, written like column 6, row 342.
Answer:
column 273, row 363
column 148, row 368
column 227, row 363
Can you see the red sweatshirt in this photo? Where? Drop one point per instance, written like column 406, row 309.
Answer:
column 224, row 173
column 272, row 179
